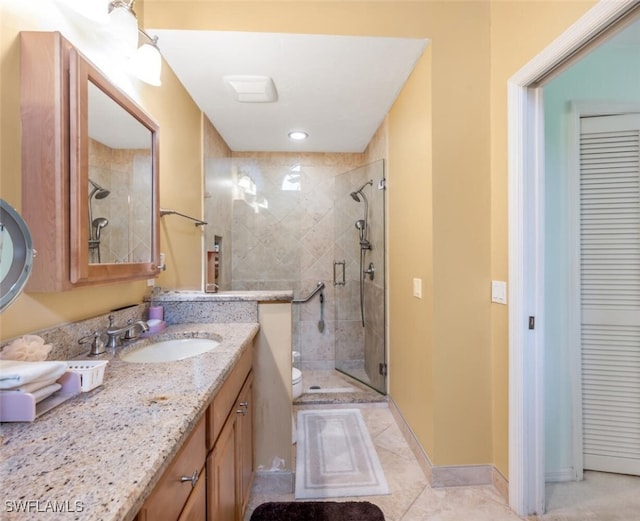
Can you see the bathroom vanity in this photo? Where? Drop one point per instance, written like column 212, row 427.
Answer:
column 219, row 447
column 110, row 454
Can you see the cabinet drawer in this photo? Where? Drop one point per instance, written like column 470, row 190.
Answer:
column 226, row 397
column 171, row 493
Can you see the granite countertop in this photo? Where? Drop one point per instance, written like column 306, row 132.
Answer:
column 100, row 454
column 223, row 296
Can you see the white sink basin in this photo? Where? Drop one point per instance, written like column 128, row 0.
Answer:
column 170, row 350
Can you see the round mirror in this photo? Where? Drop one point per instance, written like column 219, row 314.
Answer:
column 16, row 254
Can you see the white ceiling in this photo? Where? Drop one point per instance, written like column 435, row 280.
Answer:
column 336, row 88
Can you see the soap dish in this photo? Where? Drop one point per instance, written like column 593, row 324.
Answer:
column 91, row 372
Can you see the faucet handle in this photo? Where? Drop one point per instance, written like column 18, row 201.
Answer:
column 97, row 345
column 130, row 333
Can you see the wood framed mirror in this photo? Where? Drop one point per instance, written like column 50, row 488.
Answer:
column 113, row 182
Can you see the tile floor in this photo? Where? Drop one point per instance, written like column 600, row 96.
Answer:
column 600, row 497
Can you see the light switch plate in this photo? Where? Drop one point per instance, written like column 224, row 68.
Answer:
column 499, row 291
column 417, row 288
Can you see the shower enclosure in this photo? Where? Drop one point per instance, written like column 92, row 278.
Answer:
column 286, row 221
column 359, row 275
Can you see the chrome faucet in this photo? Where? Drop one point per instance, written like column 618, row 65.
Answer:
column 129, row 331
column 97, row 345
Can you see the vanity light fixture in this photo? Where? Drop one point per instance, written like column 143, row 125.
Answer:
column 146, row 63
column 123, row 25
column 298, row 135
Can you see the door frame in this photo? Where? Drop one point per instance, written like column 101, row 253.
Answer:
column 526, row 257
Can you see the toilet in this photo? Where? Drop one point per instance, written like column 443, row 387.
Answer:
column 296, row 392
column 296, row 382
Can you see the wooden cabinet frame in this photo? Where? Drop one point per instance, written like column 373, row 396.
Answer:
column 54, row 167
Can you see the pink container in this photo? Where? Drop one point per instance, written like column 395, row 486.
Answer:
column 156, row 312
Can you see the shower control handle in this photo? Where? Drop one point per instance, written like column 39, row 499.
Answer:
column 370, row 271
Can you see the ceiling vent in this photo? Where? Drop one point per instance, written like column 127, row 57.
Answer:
column 252, row 89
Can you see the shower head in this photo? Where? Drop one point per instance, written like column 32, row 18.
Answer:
column 360, row 224
column 98, row 224
column 98, row 191
column 354, row 195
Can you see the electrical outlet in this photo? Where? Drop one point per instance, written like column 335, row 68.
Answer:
column 151, row 282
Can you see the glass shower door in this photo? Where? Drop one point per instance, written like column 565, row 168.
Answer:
column 359, row 275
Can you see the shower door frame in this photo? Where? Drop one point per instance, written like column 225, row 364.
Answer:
column 348, row 326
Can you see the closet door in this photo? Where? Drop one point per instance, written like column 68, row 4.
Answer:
column 610, row 291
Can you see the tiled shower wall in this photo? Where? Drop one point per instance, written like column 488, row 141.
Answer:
column 283, row 237
column 276, row 214
column 360, row 350
column 218, row 200
column 126, row 173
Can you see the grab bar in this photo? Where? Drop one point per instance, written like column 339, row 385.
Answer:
column 319, row 287
column 164, row 212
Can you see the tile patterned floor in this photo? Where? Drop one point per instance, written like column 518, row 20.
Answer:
column 598, row 498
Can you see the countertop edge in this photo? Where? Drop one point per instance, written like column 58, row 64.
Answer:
column 222, row 296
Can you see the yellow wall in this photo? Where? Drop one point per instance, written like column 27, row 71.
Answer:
column 533, row 25
column 447, row 193
column 410, row 250
column 180, row 180
column 448, row 401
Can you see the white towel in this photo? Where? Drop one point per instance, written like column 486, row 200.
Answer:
column 15, row 374
column 39, row 394
column 45, row 392
column 35, row 386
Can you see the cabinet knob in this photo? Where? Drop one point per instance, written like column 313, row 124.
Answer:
column 193, row 479
column 243, row 408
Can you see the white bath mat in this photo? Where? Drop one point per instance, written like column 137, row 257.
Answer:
column 336, row 457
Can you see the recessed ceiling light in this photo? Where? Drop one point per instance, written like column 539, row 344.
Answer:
column 298, row 135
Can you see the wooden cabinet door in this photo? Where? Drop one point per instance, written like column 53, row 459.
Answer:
column 244, row 445
column 221, row 475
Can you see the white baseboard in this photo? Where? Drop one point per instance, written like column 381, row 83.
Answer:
column 461, row 475
column 449, row 476
column 267, row 482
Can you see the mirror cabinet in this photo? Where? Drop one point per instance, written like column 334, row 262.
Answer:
column 89, row 171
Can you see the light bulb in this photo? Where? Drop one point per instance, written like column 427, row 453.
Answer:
column 146, row 64
column 124, row 27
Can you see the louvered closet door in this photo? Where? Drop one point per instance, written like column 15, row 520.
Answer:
column 610, row 291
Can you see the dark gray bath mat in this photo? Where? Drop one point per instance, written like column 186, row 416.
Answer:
column 318, row 511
